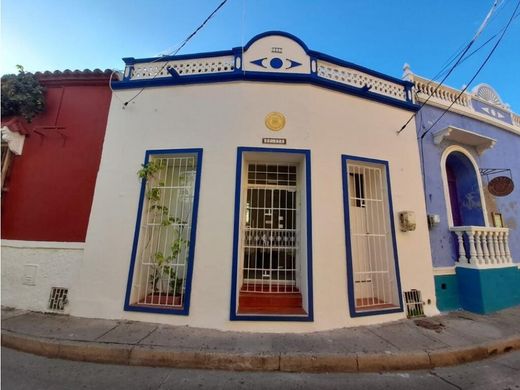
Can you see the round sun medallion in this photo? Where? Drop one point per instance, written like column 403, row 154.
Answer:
column 275, row 121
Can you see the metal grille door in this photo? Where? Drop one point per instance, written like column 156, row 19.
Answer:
column 166, row 222
column 270, row 229
column 375, row 285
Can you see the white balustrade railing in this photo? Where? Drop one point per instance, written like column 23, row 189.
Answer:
column 516, row 119
column 483, row 247
column 446, row 96
column 425, row 88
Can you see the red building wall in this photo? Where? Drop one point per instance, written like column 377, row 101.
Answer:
column 49, row 189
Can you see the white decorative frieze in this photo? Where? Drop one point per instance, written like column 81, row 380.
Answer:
column 198, row 66
column 272, row 56
column 355, row 78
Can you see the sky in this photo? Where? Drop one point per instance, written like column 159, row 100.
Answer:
column 378, row 34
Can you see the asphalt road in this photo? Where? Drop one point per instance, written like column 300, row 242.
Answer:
column 22, row 371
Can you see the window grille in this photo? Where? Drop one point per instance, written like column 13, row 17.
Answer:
column 164, row 243
column 414, row 303
column 373, row 266
column 58, row 298
column 270, row 229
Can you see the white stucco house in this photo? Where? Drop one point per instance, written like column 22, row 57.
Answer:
column 269, row 198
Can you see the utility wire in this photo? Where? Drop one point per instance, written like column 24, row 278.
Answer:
column 477, row 72
column 469, row 55
column 484, row 44
column 468, row 46
column 454, row 56
column 448, row 62
column 188, row 38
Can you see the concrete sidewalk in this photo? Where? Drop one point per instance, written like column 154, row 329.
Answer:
column 449, row 339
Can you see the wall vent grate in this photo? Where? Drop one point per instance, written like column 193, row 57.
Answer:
column 58, row 298
column 414, row 304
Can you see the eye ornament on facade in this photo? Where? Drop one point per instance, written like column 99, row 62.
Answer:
column 276, row 63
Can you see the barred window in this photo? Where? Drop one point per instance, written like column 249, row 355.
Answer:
column 165, row 243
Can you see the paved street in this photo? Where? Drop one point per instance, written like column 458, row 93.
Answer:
column 23, row 371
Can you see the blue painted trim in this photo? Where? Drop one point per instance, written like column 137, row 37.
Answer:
column 238, row 51
column 325, row 57
column 340, row 62
column 238, row 75
column 294, row 64
column 279, row 33
column 259, row 62
column 193, row 235
column 348, row 243
column 233, row 316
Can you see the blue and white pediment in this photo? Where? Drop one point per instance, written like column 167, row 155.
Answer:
column 274, row 56
column 276, row 53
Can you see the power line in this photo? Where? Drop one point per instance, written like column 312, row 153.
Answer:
column 468, row 46
column 482, row 46
column 188, row 38
column 451, row 59
column 441, row 72
column 477, row 72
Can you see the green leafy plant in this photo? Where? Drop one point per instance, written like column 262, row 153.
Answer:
column 162, row 268
column 22, row 95
column 149, row 169
column 154, row 194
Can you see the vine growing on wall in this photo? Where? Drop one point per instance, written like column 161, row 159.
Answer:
column 22, row 95
column 162, row 262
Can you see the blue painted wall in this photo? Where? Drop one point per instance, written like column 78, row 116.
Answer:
column 447, row 292
column 488, row 290
column 505, row 154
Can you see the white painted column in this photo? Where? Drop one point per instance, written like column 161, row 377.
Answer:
column 472, row 249
column 506, row 245
column 478, row 245
column 485, row 248
column 462, row 251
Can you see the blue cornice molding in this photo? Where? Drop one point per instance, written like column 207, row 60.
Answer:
column 276, row 33
column 282, row 76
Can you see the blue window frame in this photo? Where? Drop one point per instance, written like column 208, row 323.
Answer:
column 161, row 265
column 374, row 285
column 267, row 158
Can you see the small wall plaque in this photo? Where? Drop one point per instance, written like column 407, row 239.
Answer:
column 275, row 121
column 501, row 186
column 275, row 141
column 498, row 220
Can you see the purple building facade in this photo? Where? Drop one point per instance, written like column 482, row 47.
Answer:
column 470, row 160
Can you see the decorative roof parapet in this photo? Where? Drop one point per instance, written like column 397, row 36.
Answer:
column 272, row 56
column 483, row 103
